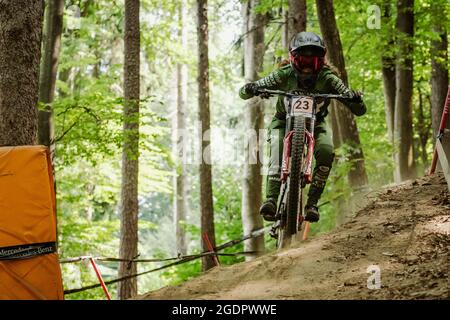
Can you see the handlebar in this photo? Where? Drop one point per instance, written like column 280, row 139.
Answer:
column 313, row 95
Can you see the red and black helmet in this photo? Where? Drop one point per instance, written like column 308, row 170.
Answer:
column 307, row 51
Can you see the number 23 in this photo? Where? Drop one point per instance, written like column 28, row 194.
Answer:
column 302, row 104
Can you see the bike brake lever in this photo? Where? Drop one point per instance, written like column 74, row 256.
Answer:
column 264, row 94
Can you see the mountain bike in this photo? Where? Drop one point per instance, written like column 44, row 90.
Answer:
column 296, row 166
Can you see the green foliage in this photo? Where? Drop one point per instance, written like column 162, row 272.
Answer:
column 88, row 125
column 228, row 226
column 227, row 211
column 78, row 238
column 89, row 115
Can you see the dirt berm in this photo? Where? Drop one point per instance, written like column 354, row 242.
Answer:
column 404, row 231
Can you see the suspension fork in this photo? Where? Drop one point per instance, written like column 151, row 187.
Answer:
column 287, row 144
column 309, row 137
column 308, row 161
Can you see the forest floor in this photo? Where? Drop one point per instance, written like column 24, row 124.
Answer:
column 404, row 230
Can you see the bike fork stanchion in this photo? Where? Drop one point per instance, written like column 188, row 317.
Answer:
column 309, row 155
column 286, row 155
column 308, row 173
column 99, row 276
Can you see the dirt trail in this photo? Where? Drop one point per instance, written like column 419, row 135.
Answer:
column 405, row 230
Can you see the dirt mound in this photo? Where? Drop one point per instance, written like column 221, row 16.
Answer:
column 404, row 232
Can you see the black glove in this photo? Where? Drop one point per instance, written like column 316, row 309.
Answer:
column 251, row 88
column 264, row 95
column 355, row 96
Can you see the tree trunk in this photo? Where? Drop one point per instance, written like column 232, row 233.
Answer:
column 49, row 68
column 388, row 71
column 423, row 129
column 254, row 122
column 285, row 29
column 180, row 180
column 20, row 53
column 206, row 197
column 344, row 124
column 439, row 72
column 294, row 20
column 403, row 130
column 130, row 156
column 64, row 76
column 296, row 17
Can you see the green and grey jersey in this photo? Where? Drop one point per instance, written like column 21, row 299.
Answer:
column 327, row 82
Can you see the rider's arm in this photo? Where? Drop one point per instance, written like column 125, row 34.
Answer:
column 274, row 81
column 357, row 107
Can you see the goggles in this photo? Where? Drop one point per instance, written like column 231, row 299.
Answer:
column 300, row 62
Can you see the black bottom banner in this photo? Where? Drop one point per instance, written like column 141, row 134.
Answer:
column 237, row 310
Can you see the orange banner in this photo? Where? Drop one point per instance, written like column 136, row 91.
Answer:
column 29, row 266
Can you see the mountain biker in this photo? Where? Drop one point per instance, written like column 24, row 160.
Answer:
column 307, row 71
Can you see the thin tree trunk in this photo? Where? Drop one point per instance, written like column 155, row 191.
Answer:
column 337, row 136
column 439, row 72
column 96, row 72
column 130, row 156
column 180, row 199
column 344, row 125
column 296, row 17
column 388, row 71
column 294, row 20
column 64, row 76
column 284, row 30
column 49, row 69
column 206, row 197
column 20, row 53
column 254, row 122
column 403, row 131
column 423, row 129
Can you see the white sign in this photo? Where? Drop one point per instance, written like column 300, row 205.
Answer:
column 302, row 106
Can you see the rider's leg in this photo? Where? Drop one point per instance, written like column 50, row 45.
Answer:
column 324, row 155
column 275, row 138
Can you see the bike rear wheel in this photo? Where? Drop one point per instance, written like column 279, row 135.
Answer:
column 295, row 175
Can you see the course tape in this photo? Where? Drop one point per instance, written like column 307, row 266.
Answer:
column 107, row 259
column 181, row 260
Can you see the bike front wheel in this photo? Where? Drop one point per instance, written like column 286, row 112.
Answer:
column 294, row 180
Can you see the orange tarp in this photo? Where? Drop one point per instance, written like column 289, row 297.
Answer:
column 28, row 220
column 37, row 278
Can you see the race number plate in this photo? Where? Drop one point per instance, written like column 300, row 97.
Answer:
column 303, row 106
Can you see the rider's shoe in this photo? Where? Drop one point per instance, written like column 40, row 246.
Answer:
column 269, row 209
column 312, row 213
